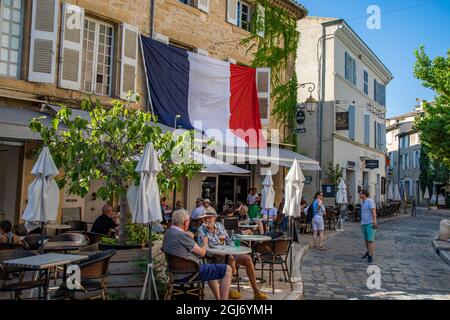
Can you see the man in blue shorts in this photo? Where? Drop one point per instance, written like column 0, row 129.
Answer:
column 368, row 223
column 178, row 242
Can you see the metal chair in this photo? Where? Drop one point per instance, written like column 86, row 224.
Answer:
column 176, row 287
column 77, row 225
column 8, row 275
column 273, row 253
column 94, row 273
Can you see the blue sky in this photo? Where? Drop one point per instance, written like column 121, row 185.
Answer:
column 405, row 25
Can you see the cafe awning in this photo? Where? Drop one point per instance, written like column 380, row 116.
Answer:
column 272, row 154
column 213, row 165
column 14, row 123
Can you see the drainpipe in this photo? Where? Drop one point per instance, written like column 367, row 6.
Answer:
column 152, row 17
column 322, row 98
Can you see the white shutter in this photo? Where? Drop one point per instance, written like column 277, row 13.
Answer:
column 129, row 58
column 201, row 51
column 232, row 8
column 160, row 37
column 203, row 5
column 44, row 23
column 71, row 47
column 232, row 61
column 261, row 20
column 263, row 87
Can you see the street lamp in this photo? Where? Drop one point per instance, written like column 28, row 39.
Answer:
column 310, row 103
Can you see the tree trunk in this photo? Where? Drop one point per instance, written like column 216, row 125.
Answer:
column 123, row 219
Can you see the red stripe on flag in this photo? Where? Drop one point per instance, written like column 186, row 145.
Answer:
column 245, row 120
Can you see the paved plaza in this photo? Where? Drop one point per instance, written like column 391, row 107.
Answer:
column 410, row 268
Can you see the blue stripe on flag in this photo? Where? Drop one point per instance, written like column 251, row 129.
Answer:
column 168, row 75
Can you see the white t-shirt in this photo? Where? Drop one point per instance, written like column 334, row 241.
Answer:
column 251, row 199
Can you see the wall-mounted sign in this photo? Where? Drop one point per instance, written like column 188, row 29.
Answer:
column 351, row 165
column 328, row 190
column 342, row 122
column 300, row 130
column 300, row 117
column 372, row 164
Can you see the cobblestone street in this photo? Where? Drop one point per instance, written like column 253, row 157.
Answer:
column 410, row 269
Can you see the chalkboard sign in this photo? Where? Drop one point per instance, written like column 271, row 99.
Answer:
column 328, row 191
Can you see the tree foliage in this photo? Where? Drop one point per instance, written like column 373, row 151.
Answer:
column 434, row 124
column 277, row 51
column 107, row 147
column 335, row 173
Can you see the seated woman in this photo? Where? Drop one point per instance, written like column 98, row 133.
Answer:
column 6, row 234
column 214, row 232
column 243, row 214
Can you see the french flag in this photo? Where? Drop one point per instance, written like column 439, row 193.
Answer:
column 198, row 92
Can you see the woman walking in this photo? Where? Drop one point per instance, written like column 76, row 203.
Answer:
column 317, row 221
column 252, row 202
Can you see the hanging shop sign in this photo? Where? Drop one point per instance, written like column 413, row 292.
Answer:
column 372, row 164
column 342, row 122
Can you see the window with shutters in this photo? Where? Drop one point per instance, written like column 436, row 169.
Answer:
column 244, row 15
column 416, row 159
column 203, row 5
column 366, row 82
column 98, row 42
column 367, row 129
column 350, row 68
column 11, row 31
column 379, row 92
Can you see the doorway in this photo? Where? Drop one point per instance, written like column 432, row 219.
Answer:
column 11, row 155
column 350, row 180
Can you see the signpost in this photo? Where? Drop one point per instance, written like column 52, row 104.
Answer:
column 372, row 164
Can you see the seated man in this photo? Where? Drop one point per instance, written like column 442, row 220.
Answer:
column 199, row 209
column 243, row 213
column 269, row 217
column 6, row 234
column 178, row 242
column 107, row 223
column 208, row 207
column 214, row 232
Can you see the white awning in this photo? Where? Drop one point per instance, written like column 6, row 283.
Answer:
column 282, row 157
column 213, row 165
column 14, row 123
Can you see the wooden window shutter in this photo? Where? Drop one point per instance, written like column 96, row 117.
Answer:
column 367, row 129
column 351, row 124
column 72, row 27
column 44, row 23
column 128, row 63
column 232, row 6
column 261, row 13
column 263, row 87
column 203, row 5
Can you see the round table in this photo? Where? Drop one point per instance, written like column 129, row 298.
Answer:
column 228, row 251
column 253, row 238
column 248, row 226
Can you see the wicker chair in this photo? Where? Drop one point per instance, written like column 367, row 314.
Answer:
column 273, row 253
column 71, row 236
column 94, row 273
column 192, row 287
column 231, row 224
column 20, row 230
column 12, row 246
column 94, row 237
column 12, row 279
column 77, row 225
column 33, row 241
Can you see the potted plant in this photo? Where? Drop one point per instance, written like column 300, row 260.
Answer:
column 137, row 238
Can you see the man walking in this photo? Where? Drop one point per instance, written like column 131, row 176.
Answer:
column 368, row 223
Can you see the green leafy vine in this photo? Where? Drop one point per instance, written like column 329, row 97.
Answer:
column 277, row 51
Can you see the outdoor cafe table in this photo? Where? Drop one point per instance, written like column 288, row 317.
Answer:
column 253, row 238
column 64, row 246
column 57, row 226
column 228, row 251
column 45, row 262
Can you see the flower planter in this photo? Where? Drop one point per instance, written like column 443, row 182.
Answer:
column 125, row 278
